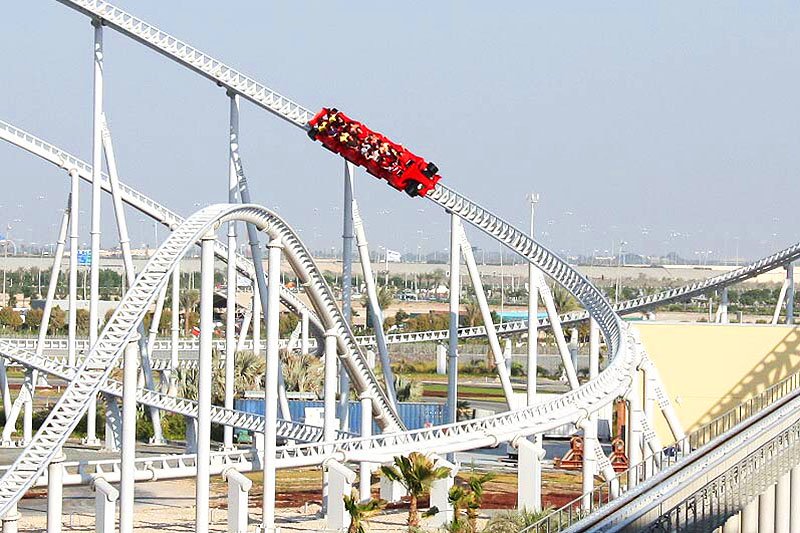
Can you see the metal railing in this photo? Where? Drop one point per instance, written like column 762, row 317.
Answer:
column 573, row 511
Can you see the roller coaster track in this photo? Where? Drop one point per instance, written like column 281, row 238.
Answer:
column 142, row 203
column 121, row 329
column 219, row 415
column 238, row 83
column 569, row 408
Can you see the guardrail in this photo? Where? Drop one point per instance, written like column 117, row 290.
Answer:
column 570, row 513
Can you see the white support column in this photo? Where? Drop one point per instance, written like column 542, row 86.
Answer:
column 331, row 361
column 365, row 468
column 441, row 359
column 113, row 433
column 391, row 491
column 204, row 372
column 257, row 320
column 304, row 332
column 781, row 297
column 11, row 520
column 374, row 309
column 491, row 332
column 73, row 266
column 340, row 485
column 440, row 490
column 239, row 487
column 766, row 510
column 634, row 440
column 732, row 524
column 529, row 475
column 508, row 353
column 230, row 293
column 329, row 387
column 533, row 314
column 245, row 331
column 794, row 500
column 590, row 427
column 156, row 319
column 97, row 162
column 175, row 328
column 790, row 293
column 723, row 307
column 452, row 347
column 6, row 392
column 128, row 453
column 573, row 348
column 749, row 517
column 783, row 504
column 105, row 504
column 558, row 332
column 55, row 493
column 271, row 385
column 347, row 289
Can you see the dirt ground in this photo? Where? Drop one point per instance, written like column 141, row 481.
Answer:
column 168, row 506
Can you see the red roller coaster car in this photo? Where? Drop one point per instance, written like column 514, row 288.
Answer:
column 381, row 157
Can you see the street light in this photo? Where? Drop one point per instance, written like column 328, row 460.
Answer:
column 620, row 264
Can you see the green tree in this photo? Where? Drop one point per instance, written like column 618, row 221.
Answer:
column 165, row 323
column 58, row 319
column 472, row 313
column 360, row 511
column 33, row 319
column 10, row 318
column 564, row 301
column 469, row 497
column 416, row 473
column 189, row 300
column 82, row 320
column 303, row 373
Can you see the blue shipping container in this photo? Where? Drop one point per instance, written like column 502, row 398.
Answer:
column 414, row 415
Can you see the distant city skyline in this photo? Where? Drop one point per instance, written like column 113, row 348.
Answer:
column 683, row 143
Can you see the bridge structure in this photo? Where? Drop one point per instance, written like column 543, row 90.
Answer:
column 739, row 473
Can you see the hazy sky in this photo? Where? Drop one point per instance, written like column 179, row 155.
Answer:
column 672, row 126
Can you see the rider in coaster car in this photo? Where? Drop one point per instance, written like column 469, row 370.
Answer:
column 388, row 156
column 369, row 147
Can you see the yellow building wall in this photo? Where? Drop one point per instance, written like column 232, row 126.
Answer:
column 708, row 369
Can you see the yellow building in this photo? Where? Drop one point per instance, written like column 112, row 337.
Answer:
column 708, row 369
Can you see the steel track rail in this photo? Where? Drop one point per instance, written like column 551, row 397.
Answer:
column 121, row 329
column 144, row 204
column 219, row 415
column 640, row 500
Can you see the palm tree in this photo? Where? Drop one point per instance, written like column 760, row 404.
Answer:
column 360, row 511
column 564, row 301
column 303, row 373
column 416, row 473
column 476, row 489
column 472, row 313
column 385, row 298
column 515, row 521
column 189, row 301
column 468, row 497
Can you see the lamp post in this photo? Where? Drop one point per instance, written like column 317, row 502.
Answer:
column 620, row 264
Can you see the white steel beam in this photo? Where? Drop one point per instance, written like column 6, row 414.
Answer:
column 373, row 305
column 491, row 332
column 128, row 448
column 97, row 167
column 271, row 385
column 73, row 265
column 204, row 384
column 230, row 293
column 347, row 288
column 454, row 308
